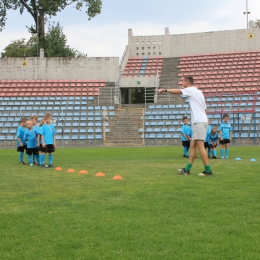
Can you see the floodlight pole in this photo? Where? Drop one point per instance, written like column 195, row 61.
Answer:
column 247, row 13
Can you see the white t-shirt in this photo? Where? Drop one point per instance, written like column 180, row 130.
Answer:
column 197, row 104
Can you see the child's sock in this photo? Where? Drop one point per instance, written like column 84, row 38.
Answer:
column 184, row 150
column 215, row 153
column 207, row 168
column 43, row 158
column 34, row 158
column 50, row 158
column 221, row 153
column 29, row 159
column 38, row 159
column 21, row 156
column 227, row 152
column 208, row 152
column 212, row 152
column 188, row 166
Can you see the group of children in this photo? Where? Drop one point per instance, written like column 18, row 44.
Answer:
column 36, row 140
column 212, row 137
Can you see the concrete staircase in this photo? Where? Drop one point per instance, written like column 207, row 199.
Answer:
column 106, row 94
column 123, row 127
column 169, row 79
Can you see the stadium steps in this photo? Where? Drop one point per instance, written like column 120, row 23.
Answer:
column 169, row 79
column 124, row 127
column 106, row 94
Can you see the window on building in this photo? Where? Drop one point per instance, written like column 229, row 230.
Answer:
column 160, row 53
column 143, row 53
column 148, row 42
column 154, row 42
column 137, row 48
column 142, row 42
column 154, row 53
column 160, row 42
column 142, row 48
column 137, row 54
column 148, row 53
column 154, row 47
column 149, row 48
column 137, row 42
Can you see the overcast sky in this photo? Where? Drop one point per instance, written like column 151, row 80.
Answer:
column 106, row 34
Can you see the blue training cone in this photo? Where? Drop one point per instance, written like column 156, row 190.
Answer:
column 238, row 159
column 253, row 160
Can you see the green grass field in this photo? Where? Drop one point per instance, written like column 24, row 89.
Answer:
column 153, row 213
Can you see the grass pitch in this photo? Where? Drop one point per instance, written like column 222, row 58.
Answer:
column 153, row 213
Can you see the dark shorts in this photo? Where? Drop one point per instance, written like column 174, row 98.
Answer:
column 49, row 148
column 21, row 148
column 40, row 148
column 224, row 141
column 206, row 145
column 186, row 143
column 34, row 151
column 211, row 146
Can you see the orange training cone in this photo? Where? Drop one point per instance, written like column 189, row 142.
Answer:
column 117, row 177
column 70, row 170
column 100, row 174
column 83, row 172
column 58, row 169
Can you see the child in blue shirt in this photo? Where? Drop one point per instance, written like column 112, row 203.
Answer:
column 34, row 120
column 185, row 136
column 206, row 141
column 225, row 136
column 212, row 141
column 48, row 135
column 21, row 144
column 31, row 136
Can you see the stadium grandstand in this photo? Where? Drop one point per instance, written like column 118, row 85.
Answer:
column 91, row 98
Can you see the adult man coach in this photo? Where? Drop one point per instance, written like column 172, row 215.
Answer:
column 199, row 124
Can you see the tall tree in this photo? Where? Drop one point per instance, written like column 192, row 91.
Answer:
column 48, row 9
column 55, row 45
column 257, row 23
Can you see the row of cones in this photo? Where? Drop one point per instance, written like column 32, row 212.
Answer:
column 99, row 174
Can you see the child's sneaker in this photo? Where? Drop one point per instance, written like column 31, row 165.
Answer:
column 222, row 157
column 205, row 174
column 31, row 164
column 22, row 163
column 226, row 157
column 50, row 166
column 44, row 166
column 34, row 163
column 214, row 157
column 183, row 171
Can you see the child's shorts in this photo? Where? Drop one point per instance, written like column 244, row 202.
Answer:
column 212, row 146
column 34, row 151
column 40, row 148
column 224, row 141
column 186, row 143
column 21, row 148
column 206, row 145
column 49, row 148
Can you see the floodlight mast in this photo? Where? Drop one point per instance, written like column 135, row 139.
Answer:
column 247, row 13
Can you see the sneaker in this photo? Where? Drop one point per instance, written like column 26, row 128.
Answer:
column 186, row 156
column 204, row 174
column 50, row 166
column 31, row 164
column 214, row 157
column 222, row 157
column 44, row 166
column 226, row 157
column 183, row 171
column 34, row 163
column 22, row 163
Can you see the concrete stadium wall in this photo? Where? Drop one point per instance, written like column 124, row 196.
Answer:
column 137, row 82
column 33, row 68
column 194, row 43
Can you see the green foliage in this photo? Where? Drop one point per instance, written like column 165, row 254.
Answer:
column 55, row 45
column 153, row 213
column 257, row 23
column 137, row 96
column 51, row 8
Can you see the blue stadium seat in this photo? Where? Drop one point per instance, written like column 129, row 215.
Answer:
column 253, row 135
column 159, row 136
column 165, row 106
column 149, row 130
column 156, row 129
column 172, row 129
column 98, row 136
column 152, row 136
column 147, row 123
column 90, row 137
column 244, row 135
column 153, row 123
column 74, row 137
column 164, row 129
column 91, row 130
column 171, row 106
column 83, row 130
column 160, row 123
column 176, row 136
column 151, row 106
column 168, row 123
column 168, row 136
column 140, row 130
column 98, row 130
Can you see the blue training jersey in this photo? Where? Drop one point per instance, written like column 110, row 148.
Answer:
column 225, row 129
column 207, row 134
column 30, row 137
column 20, row 134
column 213, row 138
column 37, row 128
column 48, row 132
column 186, row 129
